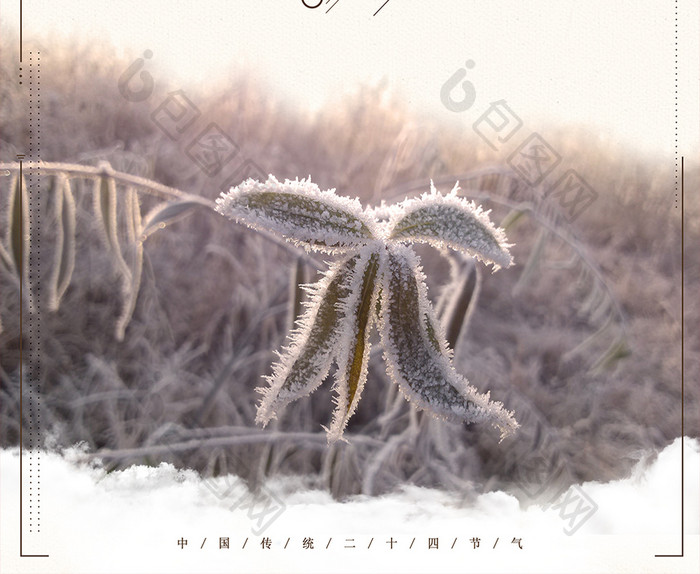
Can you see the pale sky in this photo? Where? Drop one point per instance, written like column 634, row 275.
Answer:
column 607, row 65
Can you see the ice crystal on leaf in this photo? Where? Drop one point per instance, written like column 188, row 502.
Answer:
column 301, row 212
column 452, row 221
column 377, row 281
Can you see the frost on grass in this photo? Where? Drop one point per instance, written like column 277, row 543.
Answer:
column 306, row 361
column 454, row 222
column 353, row 350
column 378, row 281
column 299, row 211
column 414, row 345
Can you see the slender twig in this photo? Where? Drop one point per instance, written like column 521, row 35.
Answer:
column 147, row 185
column 317, row 441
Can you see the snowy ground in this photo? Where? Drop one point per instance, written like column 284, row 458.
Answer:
column 132, row 520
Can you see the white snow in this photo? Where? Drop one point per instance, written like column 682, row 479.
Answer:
column 131, row 520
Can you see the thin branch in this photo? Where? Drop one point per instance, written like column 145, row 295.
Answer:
column 317, row 441
column 75, row 170
column 145, row 185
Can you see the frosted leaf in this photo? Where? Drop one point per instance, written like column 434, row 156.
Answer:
column 354, row 345
column 378, row 281
column 306, row 361
column 413, row 341
column 299, row 211
column 451, row 221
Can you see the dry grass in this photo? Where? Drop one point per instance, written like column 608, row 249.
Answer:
column 214, row 298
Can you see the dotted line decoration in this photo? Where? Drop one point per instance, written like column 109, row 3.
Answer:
column 675, row 88
column 34, row 284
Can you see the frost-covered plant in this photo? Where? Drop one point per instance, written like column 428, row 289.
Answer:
column 377, row 281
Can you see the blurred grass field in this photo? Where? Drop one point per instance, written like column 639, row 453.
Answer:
column 214, row 300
